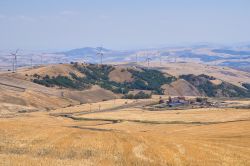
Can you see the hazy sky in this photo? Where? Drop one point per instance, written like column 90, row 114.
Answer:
column 121, row 24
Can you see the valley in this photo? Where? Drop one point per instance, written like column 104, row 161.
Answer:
column 87, row 114
column 124, row 83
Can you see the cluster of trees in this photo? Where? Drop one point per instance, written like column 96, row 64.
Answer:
column 205, row 86
column 145, row 79
column 149, row 79
column 98, row 75
column 95, row 72
column 60, row 81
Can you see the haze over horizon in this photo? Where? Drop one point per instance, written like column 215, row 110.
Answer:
column 121, row 25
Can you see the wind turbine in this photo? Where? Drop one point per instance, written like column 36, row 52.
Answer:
column 148, row 60
column 136, row 58
column 31, row 60
column 100, row 53
column 160, row 57
column 41, row 58
column 14, row 61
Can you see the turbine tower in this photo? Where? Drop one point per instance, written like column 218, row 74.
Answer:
column 31, row 61
column 14, row 61
column 136, row 59
column 41, row 58
column 160, row 57
column 100, row 53
column 148, row 60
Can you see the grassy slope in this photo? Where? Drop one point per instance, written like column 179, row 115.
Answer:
column 142, row 79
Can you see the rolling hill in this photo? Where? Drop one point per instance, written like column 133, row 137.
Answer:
column 61, row 85
column 122, row 80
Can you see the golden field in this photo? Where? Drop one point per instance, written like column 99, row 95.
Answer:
column 131, row 136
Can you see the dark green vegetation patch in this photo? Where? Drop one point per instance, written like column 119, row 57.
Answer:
column 144, row 79
column 60, row 81
column 205, row 86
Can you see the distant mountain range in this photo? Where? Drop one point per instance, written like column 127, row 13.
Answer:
column 216, row 55
column 79, row 52
column 89, row 54
column 236, row 56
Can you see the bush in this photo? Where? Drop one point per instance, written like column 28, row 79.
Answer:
column 140, row 95
column 36, row 76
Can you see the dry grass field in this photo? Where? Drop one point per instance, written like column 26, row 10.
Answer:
column 131, row 136
column 94, row 106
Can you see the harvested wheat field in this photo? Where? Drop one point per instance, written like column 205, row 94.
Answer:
column 129, row 136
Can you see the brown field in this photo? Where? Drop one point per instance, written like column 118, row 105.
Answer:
column 130, row 136
column 180, row 88
column 120, row 75
column 52, row 70
column 19, row 93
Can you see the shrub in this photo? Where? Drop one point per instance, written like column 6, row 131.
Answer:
column 140, row 95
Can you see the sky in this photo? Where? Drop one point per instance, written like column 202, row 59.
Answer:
column 121, row 24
